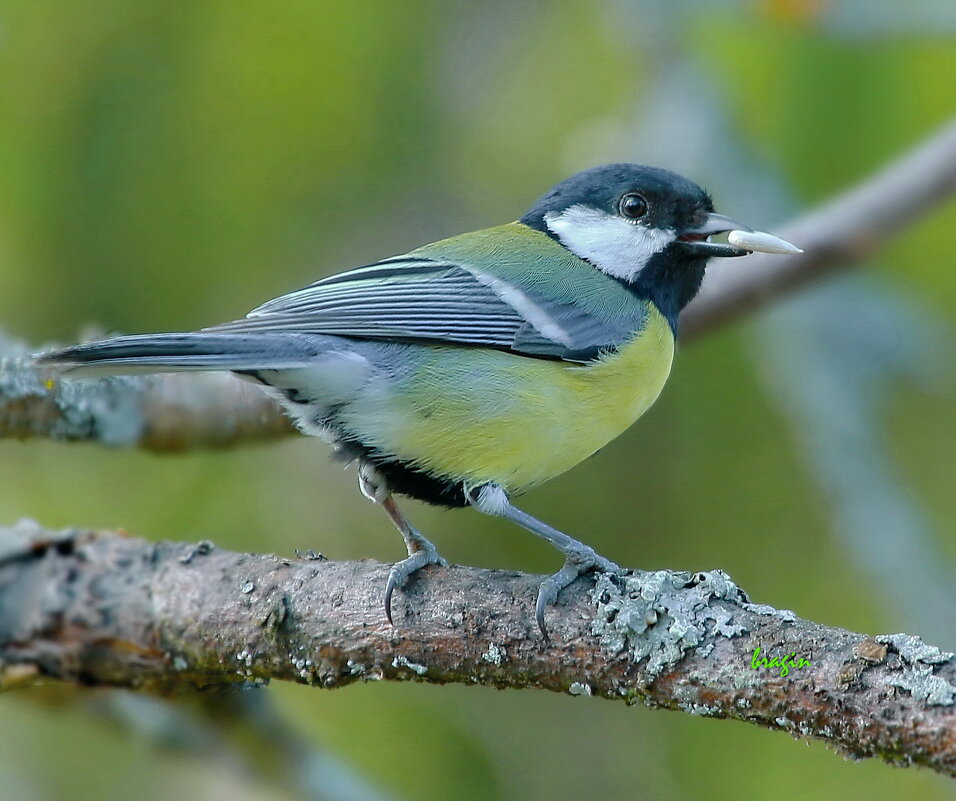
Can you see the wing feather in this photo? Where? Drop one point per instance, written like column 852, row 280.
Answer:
column 416, row 299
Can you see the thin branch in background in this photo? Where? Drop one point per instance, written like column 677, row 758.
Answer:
column 165, row 413
column 834, row 236
column 235, row 729
column 239, row 727
column 109, row 610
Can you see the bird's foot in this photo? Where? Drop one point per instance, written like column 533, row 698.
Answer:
column 579, row 559
column 424, row 554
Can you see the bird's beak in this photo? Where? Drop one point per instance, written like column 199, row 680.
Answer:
column 741, row 240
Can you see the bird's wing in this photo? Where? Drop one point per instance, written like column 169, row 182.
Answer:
column 417, row 299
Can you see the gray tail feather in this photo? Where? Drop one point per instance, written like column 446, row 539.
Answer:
column 167, row 353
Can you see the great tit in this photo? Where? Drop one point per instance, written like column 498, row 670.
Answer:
column 470, row 370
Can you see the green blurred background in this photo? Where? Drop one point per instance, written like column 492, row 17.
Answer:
column 168, row 164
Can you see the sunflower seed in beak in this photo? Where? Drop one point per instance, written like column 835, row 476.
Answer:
column 761, row 242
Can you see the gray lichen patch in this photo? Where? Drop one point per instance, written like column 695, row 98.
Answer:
column 403, row 662
column 913, row 650
column 659, row 616
column 39, row 403
column 916, row 674
column 495, row 655
column 783, row 615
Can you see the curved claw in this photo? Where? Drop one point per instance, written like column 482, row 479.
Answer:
column 389, row 589
column 546, row 597
column 402, row 571
column 573, row 567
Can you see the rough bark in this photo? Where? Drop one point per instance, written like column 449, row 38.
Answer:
column 106, row 609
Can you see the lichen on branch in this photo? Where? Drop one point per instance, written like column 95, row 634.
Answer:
column 110, row 610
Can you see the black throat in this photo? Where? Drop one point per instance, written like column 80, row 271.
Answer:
column 670, row 280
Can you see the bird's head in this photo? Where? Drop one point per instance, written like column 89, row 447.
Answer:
column 645, row 226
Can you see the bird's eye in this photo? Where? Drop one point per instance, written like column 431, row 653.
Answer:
column 633, row 206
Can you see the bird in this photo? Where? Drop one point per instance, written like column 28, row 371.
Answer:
column 470, row 370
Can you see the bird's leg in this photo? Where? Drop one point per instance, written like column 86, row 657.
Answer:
column 421, row 551
column 578, row 557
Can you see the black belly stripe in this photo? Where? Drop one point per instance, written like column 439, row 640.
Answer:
column 401, row 477
column 406, row 480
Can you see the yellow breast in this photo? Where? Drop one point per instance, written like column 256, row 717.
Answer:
column 482, row 416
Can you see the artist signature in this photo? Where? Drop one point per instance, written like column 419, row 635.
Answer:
column 783, row 664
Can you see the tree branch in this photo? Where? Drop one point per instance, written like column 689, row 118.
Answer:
column 104, row 609
column 178, row 412
column 171, row 412
column 833, row 236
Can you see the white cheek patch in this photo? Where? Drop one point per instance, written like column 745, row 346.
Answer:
column 614, row 245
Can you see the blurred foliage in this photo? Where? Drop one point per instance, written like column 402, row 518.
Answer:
column 165, row 165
